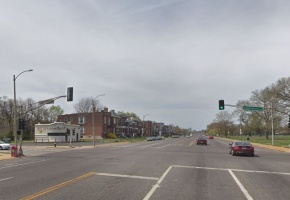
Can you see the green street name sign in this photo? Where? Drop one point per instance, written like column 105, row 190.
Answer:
column 249, row 108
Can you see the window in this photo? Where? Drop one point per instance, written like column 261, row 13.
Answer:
column 65, row 120
column 71, row 119
column 82, row 130
column 105, row 120
column 81, row 120
column 109, row 121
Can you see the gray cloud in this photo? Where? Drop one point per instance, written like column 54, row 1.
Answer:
column 172, row 59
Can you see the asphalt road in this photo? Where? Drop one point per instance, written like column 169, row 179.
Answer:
column 168, row 169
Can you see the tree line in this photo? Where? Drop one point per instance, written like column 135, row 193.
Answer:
column 29, row 110
column 275, row 101
column 35, row 112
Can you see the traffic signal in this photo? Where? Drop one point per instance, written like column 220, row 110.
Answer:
column 221, row 104
column 289, row 122
column 68, row 132
column 21, row 124
column 70, row 94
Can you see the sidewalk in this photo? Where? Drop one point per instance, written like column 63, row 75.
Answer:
column 283, row 149
column 5, row 155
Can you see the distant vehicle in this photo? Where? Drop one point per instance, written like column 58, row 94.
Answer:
column 158, row 137
column 210, row 137
column 7, row 140
column 188, row 136
column 241, row 148
column 4, row 146
column 175, row 136
column 151, row 138
column 201, row 140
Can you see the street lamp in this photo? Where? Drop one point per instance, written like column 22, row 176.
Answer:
column 14, row 105
column 93, row 117
column 143, row 123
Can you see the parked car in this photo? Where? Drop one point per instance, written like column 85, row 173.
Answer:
column 241, row 148
column 7, row 140
column 210, row 137
column 201, row 140
column 4, row 146
column 158, row 137
column 151, row 138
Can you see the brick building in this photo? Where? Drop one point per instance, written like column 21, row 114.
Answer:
column 107, row 122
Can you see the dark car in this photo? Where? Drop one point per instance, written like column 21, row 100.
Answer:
column 210, row 137
column 241, row 148
column 201, row 140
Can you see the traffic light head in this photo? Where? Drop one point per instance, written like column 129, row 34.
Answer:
column 221, row 104
column 67, row 132
column 21, row 124
column 70, row 94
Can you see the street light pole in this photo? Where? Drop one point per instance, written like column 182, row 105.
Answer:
column 93, row 118
column 272, row 124
column 14, row 105
column 144, row 124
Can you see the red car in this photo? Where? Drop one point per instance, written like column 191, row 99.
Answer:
column 210, row 137
column 241, row 148
column 201, row 140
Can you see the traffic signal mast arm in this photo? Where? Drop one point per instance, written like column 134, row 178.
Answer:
column 44, row 102
column 231, row 105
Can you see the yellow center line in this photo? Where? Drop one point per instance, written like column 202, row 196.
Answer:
column 33, row 196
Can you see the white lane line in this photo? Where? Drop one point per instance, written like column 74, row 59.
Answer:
column 4, row 179
column 150, row 193
column 222, row 142
column 161, row 146
column 131, row 145
column 15, row 165
column 236, row 170
column 151, row 144
column 127, row 176
column 243, row 189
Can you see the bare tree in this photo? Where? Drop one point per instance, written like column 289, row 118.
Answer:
column 224, row 122
column 270, row 103
column 27, row 109
column 85, row 105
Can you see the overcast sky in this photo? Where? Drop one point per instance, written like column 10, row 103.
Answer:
column 172, row 59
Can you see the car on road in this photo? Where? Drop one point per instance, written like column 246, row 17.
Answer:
column 4, row 146
column 201, row 140
column 210, row 137
column 241, row 148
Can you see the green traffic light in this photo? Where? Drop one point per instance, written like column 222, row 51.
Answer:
column 221, row 104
